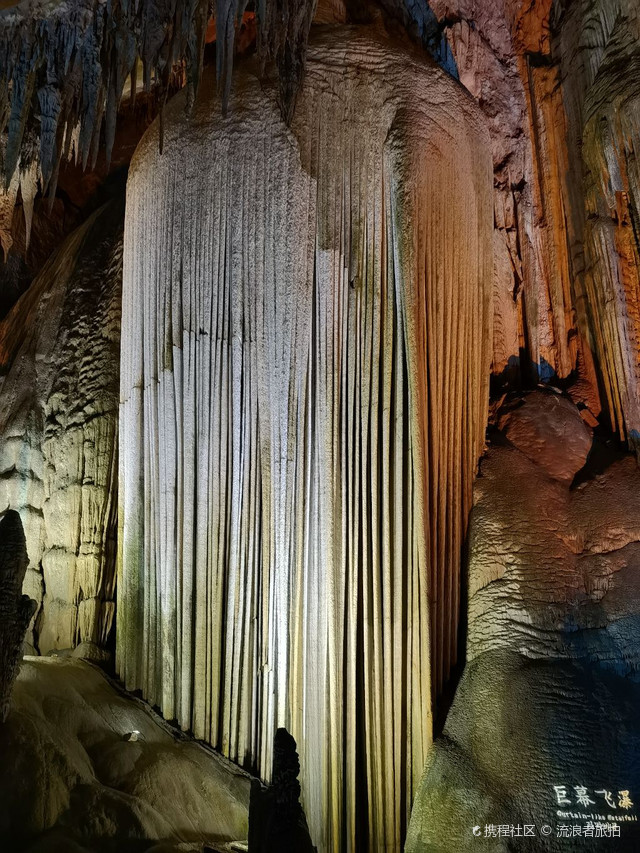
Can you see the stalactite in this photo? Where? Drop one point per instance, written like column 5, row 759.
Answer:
column 306, row 341
column 69, row 63
column 501, row 48
column 64, row 67
column 64, row 70
column 612, row 228
column 26, row 181
column 8, row 198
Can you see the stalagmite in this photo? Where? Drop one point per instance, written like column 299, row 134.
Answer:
column 16, row 610
column 550, row 689
column 306, row 341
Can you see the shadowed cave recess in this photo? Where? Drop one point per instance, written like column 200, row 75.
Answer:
column 319, row 426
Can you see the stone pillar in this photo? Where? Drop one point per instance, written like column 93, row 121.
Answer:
column 306, row 344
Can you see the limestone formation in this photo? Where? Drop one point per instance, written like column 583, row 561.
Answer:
column 549, row 432
column 559, row 85
column 550, row 691
column 602, row 64
column 305, row 359
column 16, row 609
column 500, row 49
column 59, row 349
column 70, row 780
column 64, row 68
column 277, row 822
column 529, row 64
column 328, row 255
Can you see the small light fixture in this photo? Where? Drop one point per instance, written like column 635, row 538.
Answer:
column 134, row 736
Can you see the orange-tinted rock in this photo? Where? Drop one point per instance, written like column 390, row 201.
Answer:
column 550, row 689
column 493, row 43
column 549, row 430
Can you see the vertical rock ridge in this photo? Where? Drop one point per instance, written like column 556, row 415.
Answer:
column 507, row 57
column 306, row 341
column 59, row 347
column 597, row 44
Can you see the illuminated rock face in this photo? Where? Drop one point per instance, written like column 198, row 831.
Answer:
column 306, row 340
column 601, row 53
column 550, row 691
column 87, row 767
column 559, row 85
column 59, row 347
column 539, row 581
column 551, row 434
column 501, row 49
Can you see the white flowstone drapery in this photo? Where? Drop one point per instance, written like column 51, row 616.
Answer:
column 305, row 351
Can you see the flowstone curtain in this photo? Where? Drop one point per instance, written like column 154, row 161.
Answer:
column 305, row 352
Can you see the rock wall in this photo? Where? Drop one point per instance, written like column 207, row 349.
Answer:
column 545, row 583
column 559, row 85
column 59, row 350
column 16, row 610
column 501, row 51
column 306, row 332
column 550, row 691
column 598, row 46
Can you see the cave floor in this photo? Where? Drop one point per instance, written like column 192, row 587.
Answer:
column 86, row 767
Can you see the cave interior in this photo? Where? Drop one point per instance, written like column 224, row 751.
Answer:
column 319, row 426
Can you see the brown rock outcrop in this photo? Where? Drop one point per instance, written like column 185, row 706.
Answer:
column 548, row 429
column 549, row 563
column 559, row 85
column 550, row 691
column 501, row 49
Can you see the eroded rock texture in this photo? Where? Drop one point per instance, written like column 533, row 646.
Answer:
column 599, row 47
column 86, row 767
column 16, row 609
column 550, row 692
column 59, row 349
column 65, row 65
column 306, row 331
column 501, row 50
column 558, row 83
